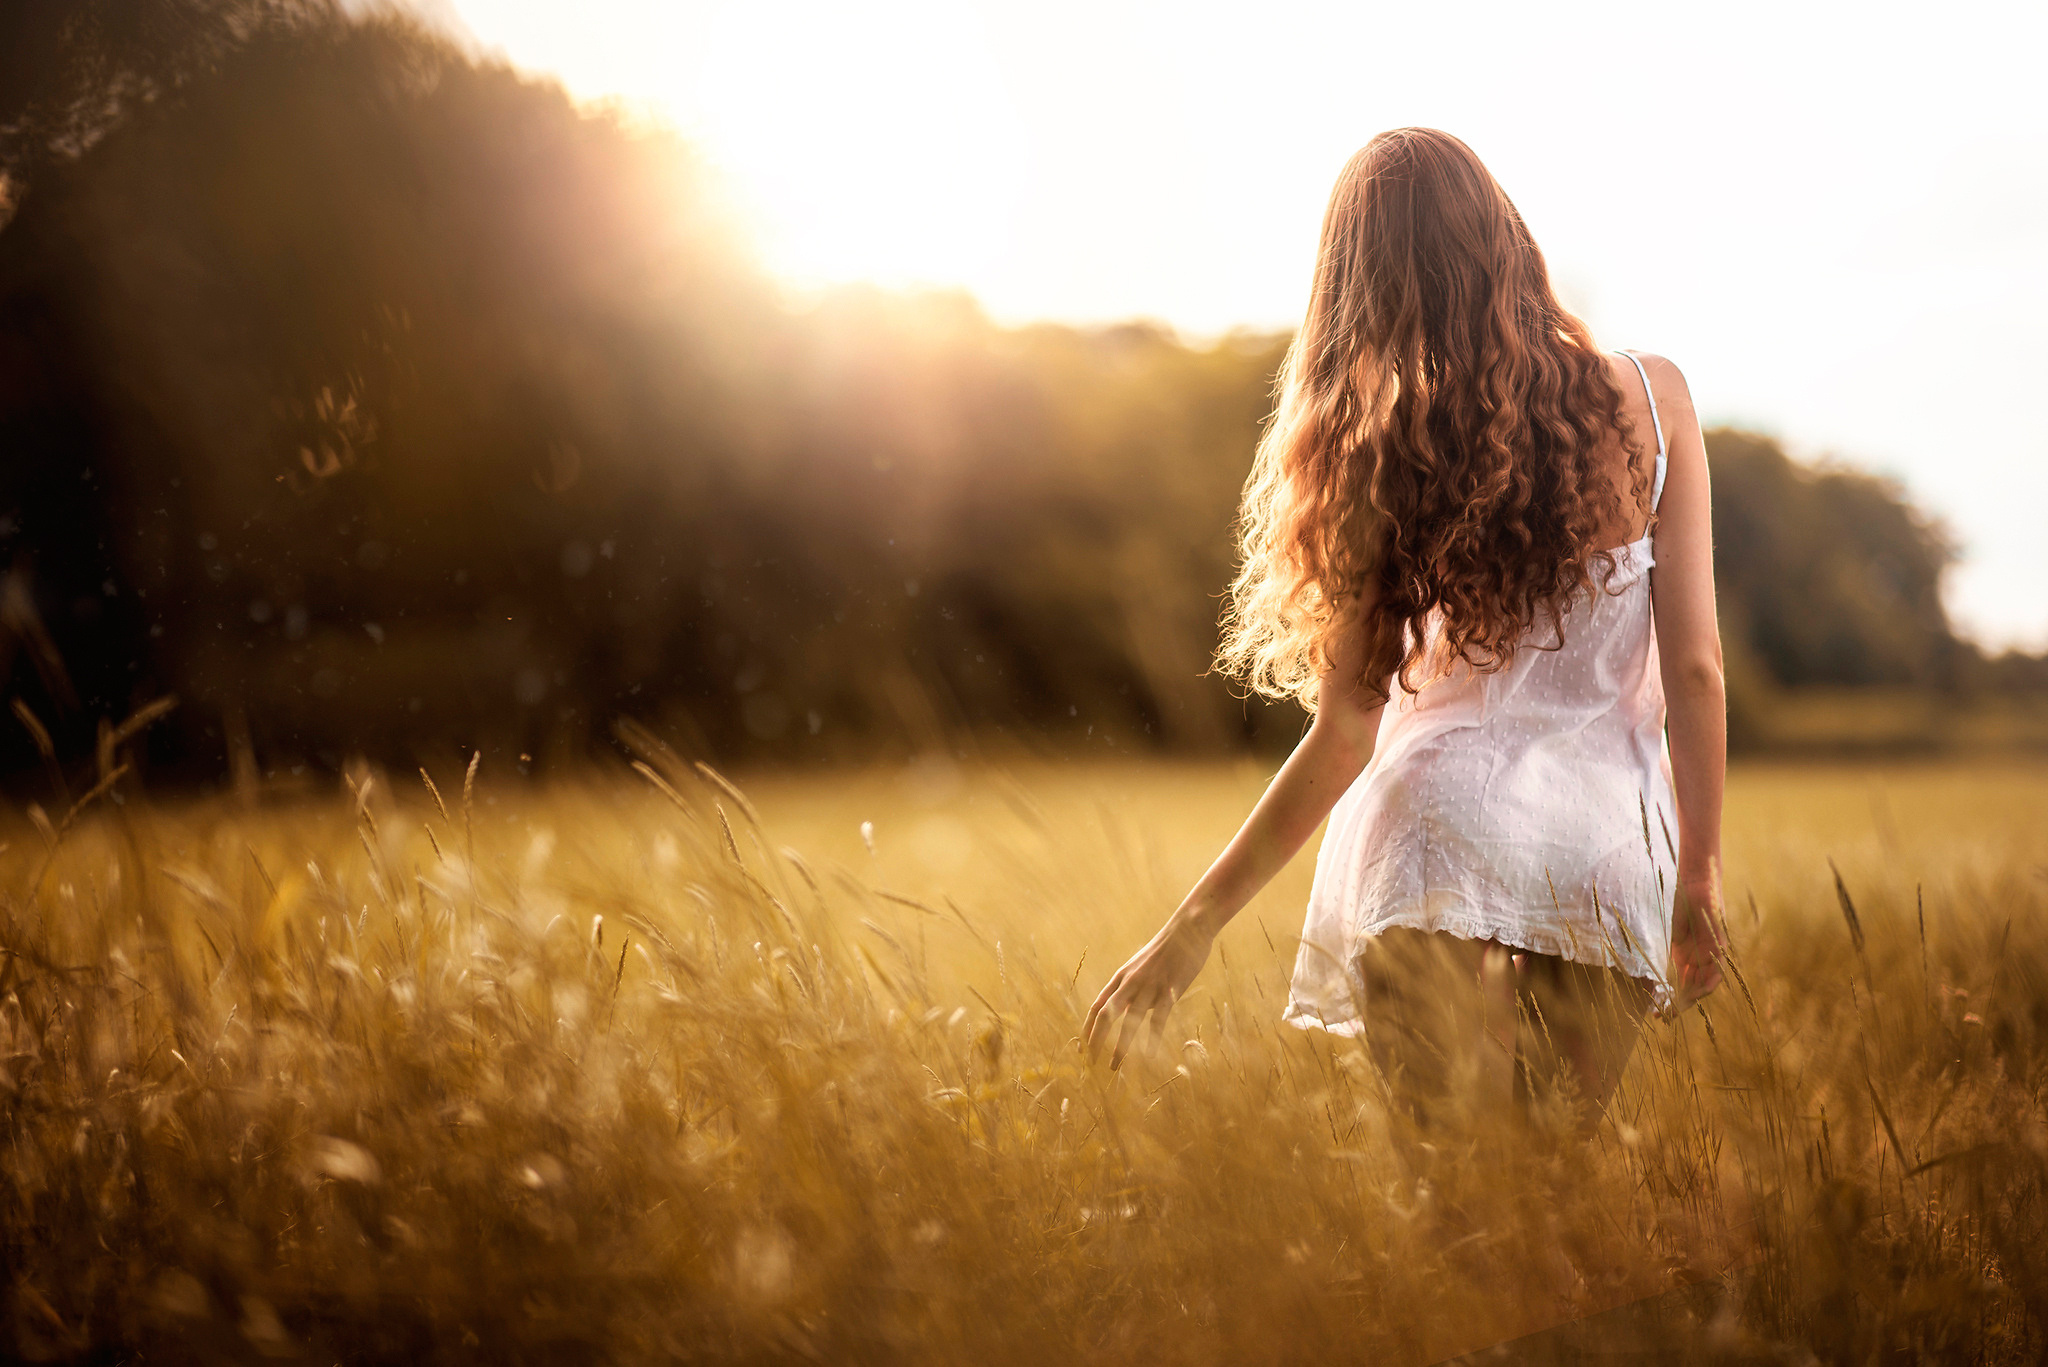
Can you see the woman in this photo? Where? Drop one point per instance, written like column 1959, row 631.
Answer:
column 1448, row 543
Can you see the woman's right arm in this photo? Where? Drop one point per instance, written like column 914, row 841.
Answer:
column 1326, row 762
column 1695, row 693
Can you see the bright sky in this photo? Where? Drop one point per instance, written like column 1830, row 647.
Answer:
column 1833, row 217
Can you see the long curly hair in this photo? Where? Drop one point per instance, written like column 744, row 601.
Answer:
column 1432, row 455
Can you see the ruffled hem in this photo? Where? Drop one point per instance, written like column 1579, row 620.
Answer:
column 1513, row 934
column 1350, row 1026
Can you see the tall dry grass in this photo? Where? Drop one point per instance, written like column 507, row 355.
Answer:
column 603, row 1072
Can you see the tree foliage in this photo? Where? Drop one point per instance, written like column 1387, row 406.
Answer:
column 369, row 396
column 70, row 69
column 1831, row 575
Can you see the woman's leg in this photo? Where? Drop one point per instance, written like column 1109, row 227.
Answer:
column 1440, row 1022
column 1579, row 1025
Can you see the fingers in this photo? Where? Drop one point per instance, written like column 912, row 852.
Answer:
column 1161, row 1009
column 1128, row 1027
column 1128, row 1005
column 1102, row 997
column 1145, row 1016
column 1098, row 1019
column 1102, row 1000
column 1697, row 977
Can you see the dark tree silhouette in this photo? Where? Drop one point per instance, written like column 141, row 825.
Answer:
column 368, row 396
column 71, row 69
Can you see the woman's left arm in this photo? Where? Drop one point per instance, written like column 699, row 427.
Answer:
column 1326, row 762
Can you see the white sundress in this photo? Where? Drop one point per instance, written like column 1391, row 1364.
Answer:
column 1532, row 807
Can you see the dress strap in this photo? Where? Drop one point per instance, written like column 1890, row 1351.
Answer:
column 1656, row 489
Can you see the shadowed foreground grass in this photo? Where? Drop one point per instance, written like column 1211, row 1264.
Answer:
column 608, row 1073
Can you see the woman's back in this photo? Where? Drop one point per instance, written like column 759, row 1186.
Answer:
column 1528, row 805
column 1451, row 460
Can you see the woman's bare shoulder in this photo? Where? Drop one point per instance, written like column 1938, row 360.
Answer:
column 1666, row 379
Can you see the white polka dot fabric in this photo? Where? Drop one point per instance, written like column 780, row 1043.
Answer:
column 1532, row 807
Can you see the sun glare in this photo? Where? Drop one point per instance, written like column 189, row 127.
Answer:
column 861, row 143
column 1091, row 162
column 886, row 147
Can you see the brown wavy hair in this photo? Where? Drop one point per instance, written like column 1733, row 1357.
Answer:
column 1432, row 454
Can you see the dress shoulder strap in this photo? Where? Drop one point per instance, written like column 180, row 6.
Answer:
column 1657, row 488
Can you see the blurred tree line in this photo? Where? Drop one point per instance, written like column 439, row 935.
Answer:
column 371, row 397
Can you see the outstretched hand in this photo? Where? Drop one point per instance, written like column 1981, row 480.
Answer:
column 1145, row 988
column 1697, row 941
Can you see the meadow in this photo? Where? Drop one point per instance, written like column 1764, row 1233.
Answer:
column 665, row 1066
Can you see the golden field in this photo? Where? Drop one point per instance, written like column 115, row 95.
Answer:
column 647, row 1068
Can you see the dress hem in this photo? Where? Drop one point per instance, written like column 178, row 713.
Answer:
column 1515, row 935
